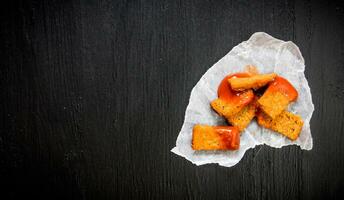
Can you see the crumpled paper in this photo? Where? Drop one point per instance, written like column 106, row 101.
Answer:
column 269, row 55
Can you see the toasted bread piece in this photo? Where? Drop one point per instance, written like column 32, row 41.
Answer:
column 255, row 81
column 287, row 123
column 244, row 117
column 273, row 103
column 226, row 109
column 231, row 102
column 277, row 97
column 215, row 137
column 264, row 120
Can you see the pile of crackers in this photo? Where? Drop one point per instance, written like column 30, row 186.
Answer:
column 243, row 97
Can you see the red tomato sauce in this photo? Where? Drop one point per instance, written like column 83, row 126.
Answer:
column 226, row 93
column 230, row 136
column 280, row 84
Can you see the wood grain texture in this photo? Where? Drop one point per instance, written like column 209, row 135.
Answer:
column 93, row 95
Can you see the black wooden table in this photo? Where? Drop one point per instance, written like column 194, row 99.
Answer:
column 93, row 95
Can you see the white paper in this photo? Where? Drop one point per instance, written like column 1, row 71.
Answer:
column 269, row 55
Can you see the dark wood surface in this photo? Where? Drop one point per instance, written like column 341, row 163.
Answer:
column 93, row 95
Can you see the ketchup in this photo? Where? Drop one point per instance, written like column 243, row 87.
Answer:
column 285, row 87
column 230, row 136
column 226, row 93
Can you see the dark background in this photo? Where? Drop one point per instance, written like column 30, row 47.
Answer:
column 93, row 95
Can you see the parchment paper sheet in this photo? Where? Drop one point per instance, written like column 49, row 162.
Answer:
column 268, row 54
